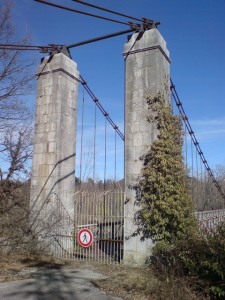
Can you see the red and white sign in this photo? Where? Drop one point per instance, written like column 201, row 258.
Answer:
column 85, row 237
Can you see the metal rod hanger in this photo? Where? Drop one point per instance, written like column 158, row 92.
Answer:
column 42, row 49
column 101, row 38
column 58, row 48
column 18, row 48
column 81, row 12
column 101, row 108
column 22, row 46
column 107, row 10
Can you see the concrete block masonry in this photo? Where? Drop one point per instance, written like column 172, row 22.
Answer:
column 55, row 132
column 147, row 70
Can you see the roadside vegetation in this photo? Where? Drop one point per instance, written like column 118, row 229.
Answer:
column 16, row 132
column 185, row 264
column 166, row 212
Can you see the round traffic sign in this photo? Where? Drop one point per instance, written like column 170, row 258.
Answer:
column 85, row 237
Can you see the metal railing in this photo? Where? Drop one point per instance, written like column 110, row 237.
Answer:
column 209, row 220
column 103, row 214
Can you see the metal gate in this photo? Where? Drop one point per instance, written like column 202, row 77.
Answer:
column 100, row 212
column 103, row 214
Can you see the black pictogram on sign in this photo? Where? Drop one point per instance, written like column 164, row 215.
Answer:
column 85, row 237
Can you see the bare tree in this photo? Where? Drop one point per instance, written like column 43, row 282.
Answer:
column 15, row 71
column 16, row 82
column 220, row 175
column 17, row 151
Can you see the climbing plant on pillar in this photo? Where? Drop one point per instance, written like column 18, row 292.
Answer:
column 166, row 209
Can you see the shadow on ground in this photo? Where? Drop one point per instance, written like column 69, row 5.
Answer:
column 55, row 283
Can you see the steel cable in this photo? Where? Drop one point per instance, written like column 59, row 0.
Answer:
column 115, row 162
column 107, row 10
column 81, row 138
column 98, row 104
column 95, row 128
column 81, row 12
column 105, row 155
column 194, row 139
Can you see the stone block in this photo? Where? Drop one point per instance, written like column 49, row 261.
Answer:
column 137, row 139
column 52, row 146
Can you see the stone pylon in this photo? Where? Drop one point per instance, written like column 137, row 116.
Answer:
column 147, row 71
column 53, row 169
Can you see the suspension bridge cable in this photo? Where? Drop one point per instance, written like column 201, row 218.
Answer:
column 81, row 12
column 197, row 171
column 201, row 170
column 107, row 10
column 201, row 184
column 193, row 138
column 81, row 138
column 57, row 48
column 42, row 49
column 105, row 154
column 186, row 150
column 98, row 104
column 205, row 191
column 18, row 48
column 192, row 169
column 100, row 38
column 139, row 35
column 95, row 128
column 115, row 162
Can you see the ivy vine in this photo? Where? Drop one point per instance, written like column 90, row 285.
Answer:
column 165, row 207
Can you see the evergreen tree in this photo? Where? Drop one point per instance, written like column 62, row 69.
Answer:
column 166, row 211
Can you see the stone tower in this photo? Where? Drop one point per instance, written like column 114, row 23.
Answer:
column 55, row 133
column 147, row 70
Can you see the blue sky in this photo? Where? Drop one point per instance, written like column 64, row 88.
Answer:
column 195, row 36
